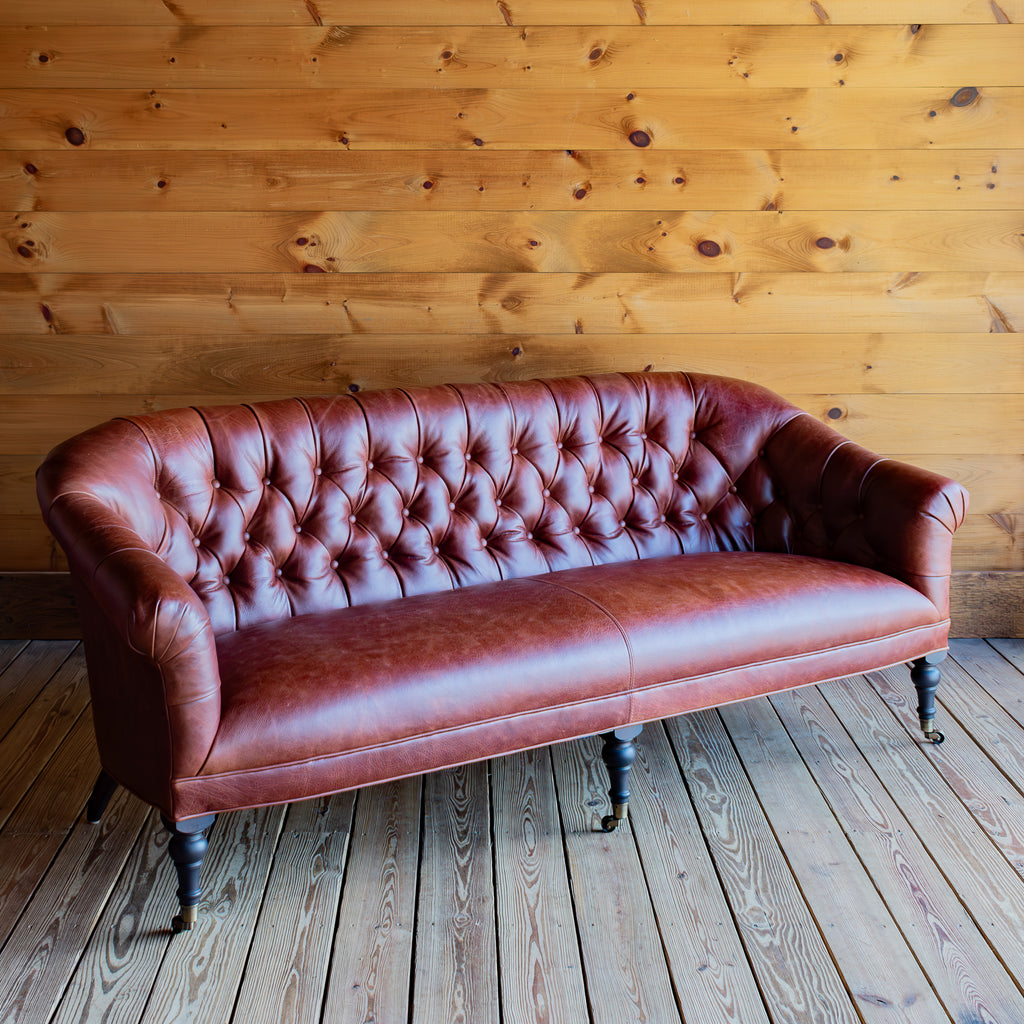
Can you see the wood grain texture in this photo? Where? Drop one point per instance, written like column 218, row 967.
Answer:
column 790, row 957
column 627, row 975
column 373, row 939
column 521, row 12
column 995, row 902
column 987, row 603
column 562, row 57
column 514, row 303
column 480, row 180
column 549, row 242
column 883, row 976
column 541, row 968
column 969, row 979
column 510, row 119
column 456, row 971
column 701, row 939
column 222, row 367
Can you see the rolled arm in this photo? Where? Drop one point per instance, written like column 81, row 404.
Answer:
column 832, row 498
column 150, row 648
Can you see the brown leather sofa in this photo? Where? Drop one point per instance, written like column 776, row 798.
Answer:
column 292, row 598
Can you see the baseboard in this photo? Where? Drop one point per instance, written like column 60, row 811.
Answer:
column 41, row 606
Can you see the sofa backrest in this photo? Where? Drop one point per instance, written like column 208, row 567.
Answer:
column 279, row 508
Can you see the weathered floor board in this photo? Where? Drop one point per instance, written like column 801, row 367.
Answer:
column 803, row 860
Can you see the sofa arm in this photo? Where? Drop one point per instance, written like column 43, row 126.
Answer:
column 150, row 648
column 831, row 498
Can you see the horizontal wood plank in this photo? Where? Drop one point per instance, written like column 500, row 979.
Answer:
column 556, row 57
column 513, row 12
column 227, row 369
column 511, row 119
column 480, row 180
column 223, row 304
column 548, row 242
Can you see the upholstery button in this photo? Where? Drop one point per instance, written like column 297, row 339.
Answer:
column 318, row 471
column 298, row 529
column 529, row 536
column 334, row 563
column 576, row 530
column 483, row 542
column 559, row 446
column 369, row 466
column 546, row 493
column 703, row 516
column 405, row 512
column 497, row 502
column 196, row 542
column 419, row 460
column 385, row 555
column 732, row 490
column 437, row 550
column 216, row 485
column 643, row 437
column 590, row 489
column 266, row 481
column 635, row 481
column 622, row 523
column 226, row 581
column 245, row 536
column 515, row 451
column 469, row 457
column 451, row 506
column 352, row 519
column 279, row 572
column 600, row 439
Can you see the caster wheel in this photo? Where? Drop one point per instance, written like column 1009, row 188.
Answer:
column 609, row 823
column 179, row 924
column 935, row 737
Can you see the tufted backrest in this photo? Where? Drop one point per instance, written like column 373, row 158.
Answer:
column 279, row 508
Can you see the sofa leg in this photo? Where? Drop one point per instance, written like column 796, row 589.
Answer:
column 925, row 675
column 101, row 793
column 187, row 848
column 618, row 754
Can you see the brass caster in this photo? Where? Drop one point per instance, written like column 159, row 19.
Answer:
column 184, row 921
column 935, row 737
column 609, row 823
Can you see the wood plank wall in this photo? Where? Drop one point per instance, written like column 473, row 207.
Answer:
column 241, row 199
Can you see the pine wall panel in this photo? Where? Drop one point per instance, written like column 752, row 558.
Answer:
column 243, row 199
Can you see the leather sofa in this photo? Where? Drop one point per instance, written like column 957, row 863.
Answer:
column 292, row 598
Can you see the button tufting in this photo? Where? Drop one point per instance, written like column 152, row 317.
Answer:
column 246, row 535
column 266, row 481
column 352, row 519
column 437, row 550
column 226, row 581
column 559, row 446
column 216, row 485
column 279, row 572
column 703, row 516
column 369, row 466
column 643, row 437
column 529, row 536
column 451, row 506
column 405, row 512
column 385, row 555
column 483, row 542
column 196, row 542
column 334, row 563
column 546, row 493
column 419, row 460
column 318, row 471
column 732, row 490
column 576, row 530
column 590, row 489
column 497, row 502
column 635, row 481
column 298, row 529
column 469, row 457
column 515, row 451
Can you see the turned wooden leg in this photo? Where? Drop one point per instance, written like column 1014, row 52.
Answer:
column 925, row 675
column 187, row 848
column 101, row 794
column 618, row 754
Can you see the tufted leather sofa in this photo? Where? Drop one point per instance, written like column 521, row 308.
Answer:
column 292, row 598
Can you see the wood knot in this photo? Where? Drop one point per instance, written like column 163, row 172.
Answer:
column 74, row 135
column 825, row 242
column 709, row 248
column 596, row 53
column 312, row 268
column 964, row 97
column 581, row 192
column 639, row 138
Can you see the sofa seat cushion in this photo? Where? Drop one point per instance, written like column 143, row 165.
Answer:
column 325, row 701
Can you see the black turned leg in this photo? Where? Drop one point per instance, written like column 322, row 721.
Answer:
column 187, row 848
column 101, row 794
column 925, row 674
column 618, row 753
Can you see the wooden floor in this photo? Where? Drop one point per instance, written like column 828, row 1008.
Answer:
column 803, row 859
